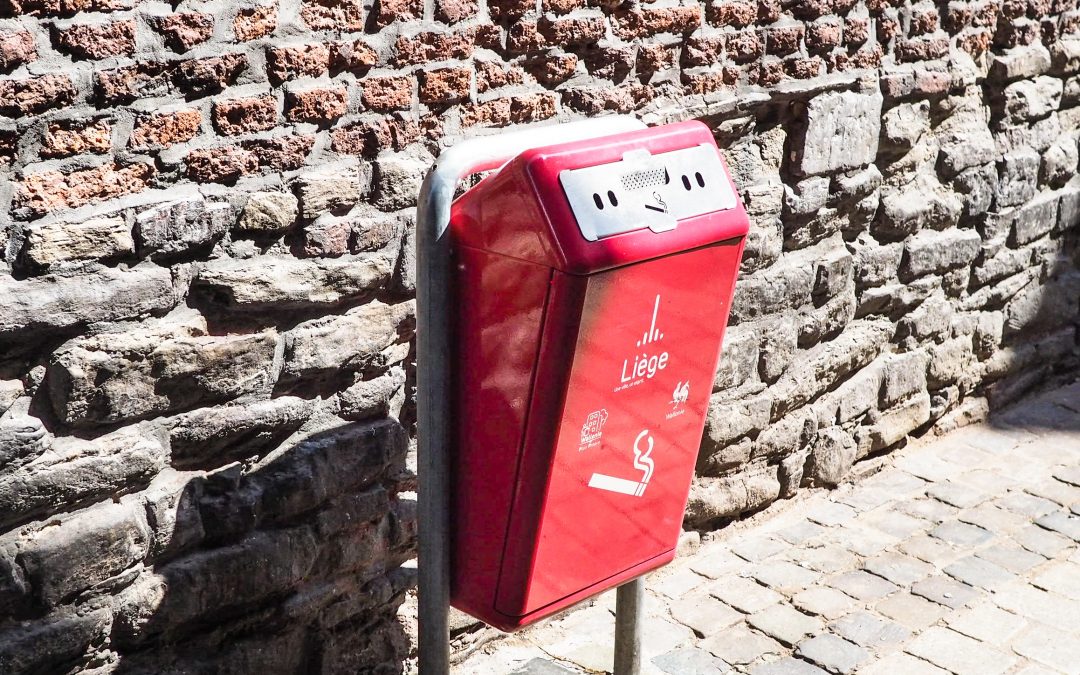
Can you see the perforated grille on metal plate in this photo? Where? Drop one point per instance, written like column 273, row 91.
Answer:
column 637, row 180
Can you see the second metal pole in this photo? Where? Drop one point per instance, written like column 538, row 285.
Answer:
column 629, row 608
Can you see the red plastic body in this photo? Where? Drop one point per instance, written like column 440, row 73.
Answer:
column 582, row 374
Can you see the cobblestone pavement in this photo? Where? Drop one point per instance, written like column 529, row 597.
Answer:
column 959, row 554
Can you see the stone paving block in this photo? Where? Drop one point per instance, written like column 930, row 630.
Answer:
column 966, row 456
column 894, row 523
column 690, row 661
column 758, row 548
column 784, row 576
column 715, row 561
column 744, row 595
column 574, row 639
column 740, row 645
column 1068, row 474
column 704, row 614
column 1048, row 645
column 864, row 541
column 542, row 667
column 867, row 630
column 978, row 572
column 961, row 534
column 865, row 498
column 945, row 591
column 1033, row 603
column 827, row 558
column 986, row 622
column 957, row 494
column 1067, row 524
column 825, row 602
column 959, row 653
column 1062, row 578
column 990, row 482
column 930, row 510
column 1055, row 491
column 801, row 532
column 928, row 467
column 911, row 611
column 1041, row 541
column 991, row 438
column 676, row 583
column 787, row 666
column 662, row 636
column 1026, row 505
column 931, row 550
column 899, row 485
column 1011, row 557
column 832, row 653
column 902, row 570
column 784, row 623
column 992, row 519
column 862, row 585
column 830, row 513
column 1036, row 669
column 901, row 663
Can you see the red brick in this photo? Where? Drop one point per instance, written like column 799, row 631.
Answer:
column 561, row 6
column 509, row 10
column 356, row 57
column 368, row 138
column 64, row 7
column 491, row 75
column 923, row 22
column 124, row 85
column 856, row 31
column 744, row 47
column 16, row 48
column 612, row 63
column 524, row 37
column 1017, row 33
column 452, row 11
column 510, row 110
column 425, row 47
column 319, row 105
column 630, row 24
column 209, row 75
column 255, row 22
column 653, row 58
column 985, row 16
column 767, row 73
column 286, row 63
column 768, row 11
column 487, row 35
column 922, row 49
column 887, row 28
column 9, row 146
column 1013, row 9
column 225, row 164
column 183, row 31
column 804, row 68
column 702, row 51
column 444, row 85
column 784, row 40
column 47, row 191
column 595, row 100
column 281, row 153
column 975, row 43
column 390, row 11
column 811, row 9
column 30, row 96
column 958, row 16
column 64, row 139
column 553, row 70
column 98, row 41
column 737, row 13
column 245, row 115
column 823, row 35
column 710, row 81
column 337, row 15
column 384, row 94
column 164, row 129
column 582, row 31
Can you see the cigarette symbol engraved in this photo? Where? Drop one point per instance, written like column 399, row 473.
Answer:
column 642, row 462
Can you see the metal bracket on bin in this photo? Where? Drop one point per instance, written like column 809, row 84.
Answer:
column 433, row 381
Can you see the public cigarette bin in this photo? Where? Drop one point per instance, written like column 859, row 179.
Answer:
column 591, row 288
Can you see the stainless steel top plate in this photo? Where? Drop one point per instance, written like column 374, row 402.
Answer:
column 647, row 191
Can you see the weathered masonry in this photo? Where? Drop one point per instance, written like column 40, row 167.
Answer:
column 206, row 277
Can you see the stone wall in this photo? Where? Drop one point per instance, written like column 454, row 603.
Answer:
column 206, row 277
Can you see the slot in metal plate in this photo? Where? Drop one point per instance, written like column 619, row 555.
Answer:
column 647, row 191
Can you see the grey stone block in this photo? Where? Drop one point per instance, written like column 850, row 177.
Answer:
column 832, row 653
column 842, row 132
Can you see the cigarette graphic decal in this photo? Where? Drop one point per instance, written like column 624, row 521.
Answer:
column 642, row 462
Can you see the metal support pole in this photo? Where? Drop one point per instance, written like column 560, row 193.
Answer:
column 629, row 607
column 433, row 321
